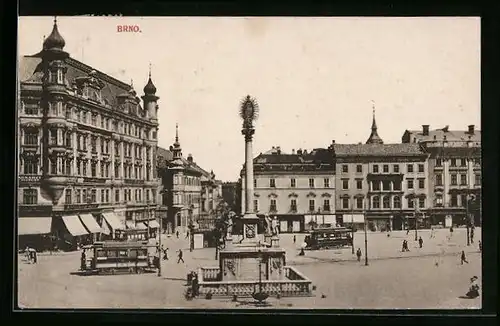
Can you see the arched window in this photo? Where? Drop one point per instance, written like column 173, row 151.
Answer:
column 376, row 202
column 397, row 202
column 386, row 202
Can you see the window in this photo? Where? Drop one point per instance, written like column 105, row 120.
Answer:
column 30, row 109
column 272, row 208
column 345, row 184
column 78, row 197
column 93, row 169
column 439, row 162
column 94, row 119
column 395, row 168
column 345, row 168
column 411, row 203
column 30, row 137
column 117, row 149
column 53, row 165
column 421, row 202
column 293, row 183
column 293, row 205
column 376, row 185
column 326, row 205
column 153, row 194
column 255, row 183
column 84, row 169
column 68, row 167
column 463, row 162
column 272, row 183
column 93, row 196
column 117, row 170
column 386, row 168
column 386, row 185
column 30, row 196
column 53, row 137
column 311, row 183
column 453, row 162
column 30, row 166
column 477, row 179
column 84, row 117
column 93, row 144
column 454, row 200
column 439, row 200
column 359, row 202
column 375, row 168
column 409, row 168
column 463, row 179
column 326, row 183
column 60, row 77
column 421, row 168
column 103, row 193
column 255, row 205
column 345, row 203
column 396, row 185
column 409, row 183
column 68, row 139
column 107, row 195
column 117, row 195
column 397, row 202
column 453, row 179
column 359, row 168
column 439, row 179
column 84, row 196
column 311, row 205
column 386, row 202
column 376, row 202
column 359, row 184
column 477, row 161
column 421, row 183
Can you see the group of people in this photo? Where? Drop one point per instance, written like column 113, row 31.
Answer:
column 164, row 251
column 31, row 255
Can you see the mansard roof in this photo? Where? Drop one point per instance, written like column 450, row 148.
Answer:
column 386, row 150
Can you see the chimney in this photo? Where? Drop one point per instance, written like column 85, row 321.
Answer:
column 471, row 129
column 171, row 148
column 299, row 151
column 190, row 158
column 425, row 130
column 305, row 152
column 333, row 141
column 293, row 151
column 278, row 150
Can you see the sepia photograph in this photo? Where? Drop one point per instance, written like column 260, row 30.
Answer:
column 248, row 163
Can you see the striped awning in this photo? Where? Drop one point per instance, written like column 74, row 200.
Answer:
column 113, row 221
column 153, row 224
column 130, row 224
column 34, row 225
column 74, row 226
column 141, row 226
column 90, row 223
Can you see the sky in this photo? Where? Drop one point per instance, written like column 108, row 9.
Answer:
column 315, row 79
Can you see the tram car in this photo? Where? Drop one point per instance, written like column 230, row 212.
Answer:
column 329, row 238
column 119, row 257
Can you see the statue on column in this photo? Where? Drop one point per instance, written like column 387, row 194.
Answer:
column 269, row 225
column 229, row 224
column 275, row 228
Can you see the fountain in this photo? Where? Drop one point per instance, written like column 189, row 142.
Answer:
column 252, row 267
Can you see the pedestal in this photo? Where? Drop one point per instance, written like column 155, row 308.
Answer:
column 275, row 241
column 241, row 263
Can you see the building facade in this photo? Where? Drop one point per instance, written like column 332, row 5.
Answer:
column 86, row 145
column 231, row 195
column 454, row 172
column 297, row 188
column 386, row 183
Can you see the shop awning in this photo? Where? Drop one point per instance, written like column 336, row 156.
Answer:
column 130, row 224
column 113, row 221
column 153, row 224
column 34, row 225
column 74, row 226
column 90, row 223
column 353, row 218
column 141, row 226
column 329, row 219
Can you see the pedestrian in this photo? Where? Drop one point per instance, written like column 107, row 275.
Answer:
column 195, row 285
column 403, row 247
column 165, row 254
column 432, row 233
column 179, row 256
column 35, row 258
column 82, row 261
column 358, row 254
column 177, row 234
column 420, row 242
column 472, row 235
column 294, row 239
column 473, row 289
column 480, row 246
column 187, row 234
column 27, row 254
column 463, row 258
column 408, row 230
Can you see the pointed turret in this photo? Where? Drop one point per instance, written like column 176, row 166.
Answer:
column 55, row 42
column 150, row 88
column 150, row 99
column 374, row 137
column 177, row 150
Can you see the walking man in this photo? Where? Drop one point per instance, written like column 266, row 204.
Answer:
column 472, row 235
column 358, row 254
column 177, row 234
column 420, row 242
column 165, row 254
column 179, row 256
column 480, row 246
column 294, row 239
column 463, row 258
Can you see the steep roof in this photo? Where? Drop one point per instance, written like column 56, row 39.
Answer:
column 405, row 149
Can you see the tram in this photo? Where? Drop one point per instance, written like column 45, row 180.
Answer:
column 113, row 257
column 329, row 238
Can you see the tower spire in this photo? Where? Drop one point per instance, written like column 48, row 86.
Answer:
column 177, row 150
column 176, row 132
column 150, row 70
column 374, row 137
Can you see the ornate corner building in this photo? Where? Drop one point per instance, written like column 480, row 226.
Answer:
column 86, row 145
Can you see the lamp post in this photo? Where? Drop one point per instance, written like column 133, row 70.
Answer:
column 352, row 226
column 148, row 215
column 366, row 235
column 159, row 244
column 191, row 228
column 415, row 203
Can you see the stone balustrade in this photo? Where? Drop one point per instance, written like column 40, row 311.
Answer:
column 295, row 284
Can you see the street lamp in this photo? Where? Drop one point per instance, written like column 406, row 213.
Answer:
column 191, row 228
column 366, row 235
column 352, row 226
column 159, row 243
column 415, row 203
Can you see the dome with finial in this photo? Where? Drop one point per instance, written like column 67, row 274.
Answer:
column 150, row 88
column 55, row 41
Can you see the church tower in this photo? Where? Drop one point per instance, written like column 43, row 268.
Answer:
column 374, row 137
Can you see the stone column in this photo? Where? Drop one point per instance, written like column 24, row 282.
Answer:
column 248, row 171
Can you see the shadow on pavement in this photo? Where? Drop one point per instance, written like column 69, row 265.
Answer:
column 174, row 279
column 465, row 297
column 85, row 273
